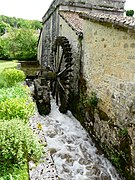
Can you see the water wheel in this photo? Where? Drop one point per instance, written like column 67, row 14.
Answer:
column 61, row 63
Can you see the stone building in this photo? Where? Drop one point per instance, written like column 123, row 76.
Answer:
column 103, row 50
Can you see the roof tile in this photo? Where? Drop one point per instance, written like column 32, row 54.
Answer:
column 126, row 22
column 73, row 19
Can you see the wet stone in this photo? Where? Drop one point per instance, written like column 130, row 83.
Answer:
column 80, row 171
column 65, row 169
column 52, row 151
column 51, row 133
column 84, row 161
column 105, row 177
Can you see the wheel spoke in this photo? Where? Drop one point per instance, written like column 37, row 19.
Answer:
column 57, row 96
column 55, row 60
column 62, row 64
column 65, row 70
column 61, row 85
column 60, row 61
column 54, row 89
column 60, row 73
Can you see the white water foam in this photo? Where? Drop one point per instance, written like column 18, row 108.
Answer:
column 73, row 152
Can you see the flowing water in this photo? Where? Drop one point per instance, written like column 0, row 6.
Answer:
column 73, row 152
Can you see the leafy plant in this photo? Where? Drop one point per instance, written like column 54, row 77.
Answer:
column 17, row 91
column 115, row 159
column 18, row 23
column 2, row 82
column 92, row 100
column 12, row 76
column 3, row 27
column 21, row 108
column 123, row 132
column 129, row 12
column 17, row 145
column 7, row 64
column 14, row 173
column 19, row 44
column 15, row 102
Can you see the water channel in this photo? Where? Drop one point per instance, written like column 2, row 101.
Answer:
column 75, row 155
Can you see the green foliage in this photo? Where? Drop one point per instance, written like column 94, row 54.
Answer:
column 3, row 27
column 35, row 24
column 18, row 91
column 4, row 48
column 2, row 82
column 17, row 145
column 16, row 103
column 92, row 100
column 7, row 64
column 12, row 76
column 123, row 133
column 14, row 173
column 20, row 108
column 20, row 23
column 18, row 38
column 115, row 159
column 129, row 12
column 11, row 21
column 19, row 44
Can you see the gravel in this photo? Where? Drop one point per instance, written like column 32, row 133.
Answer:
column 45, row 169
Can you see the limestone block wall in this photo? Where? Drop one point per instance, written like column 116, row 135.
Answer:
column 117, row 4
column 49, row 33
column 109, row 70
column 51, row 18
column 112, row 3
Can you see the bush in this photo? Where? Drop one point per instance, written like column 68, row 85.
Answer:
column 130, row 13
column 15, row 102
column 14, row 173
column 21, row 108
column 19, row 44
column 2, row 82
column 18, row 91
column 17, row 145
column 12, row 76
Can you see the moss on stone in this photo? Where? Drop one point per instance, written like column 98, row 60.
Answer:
column 102, row 115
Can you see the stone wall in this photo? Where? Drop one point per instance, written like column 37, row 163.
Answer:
column 118, row 5
column 49, row 32
column 109, row 71
column 51, row 19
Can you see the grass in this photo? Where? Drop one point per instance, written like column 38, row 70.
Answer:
column 7, row 64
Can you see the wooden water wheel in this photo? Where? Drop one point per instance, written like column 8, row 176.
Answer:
column 59, row 74
column 61, row 63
